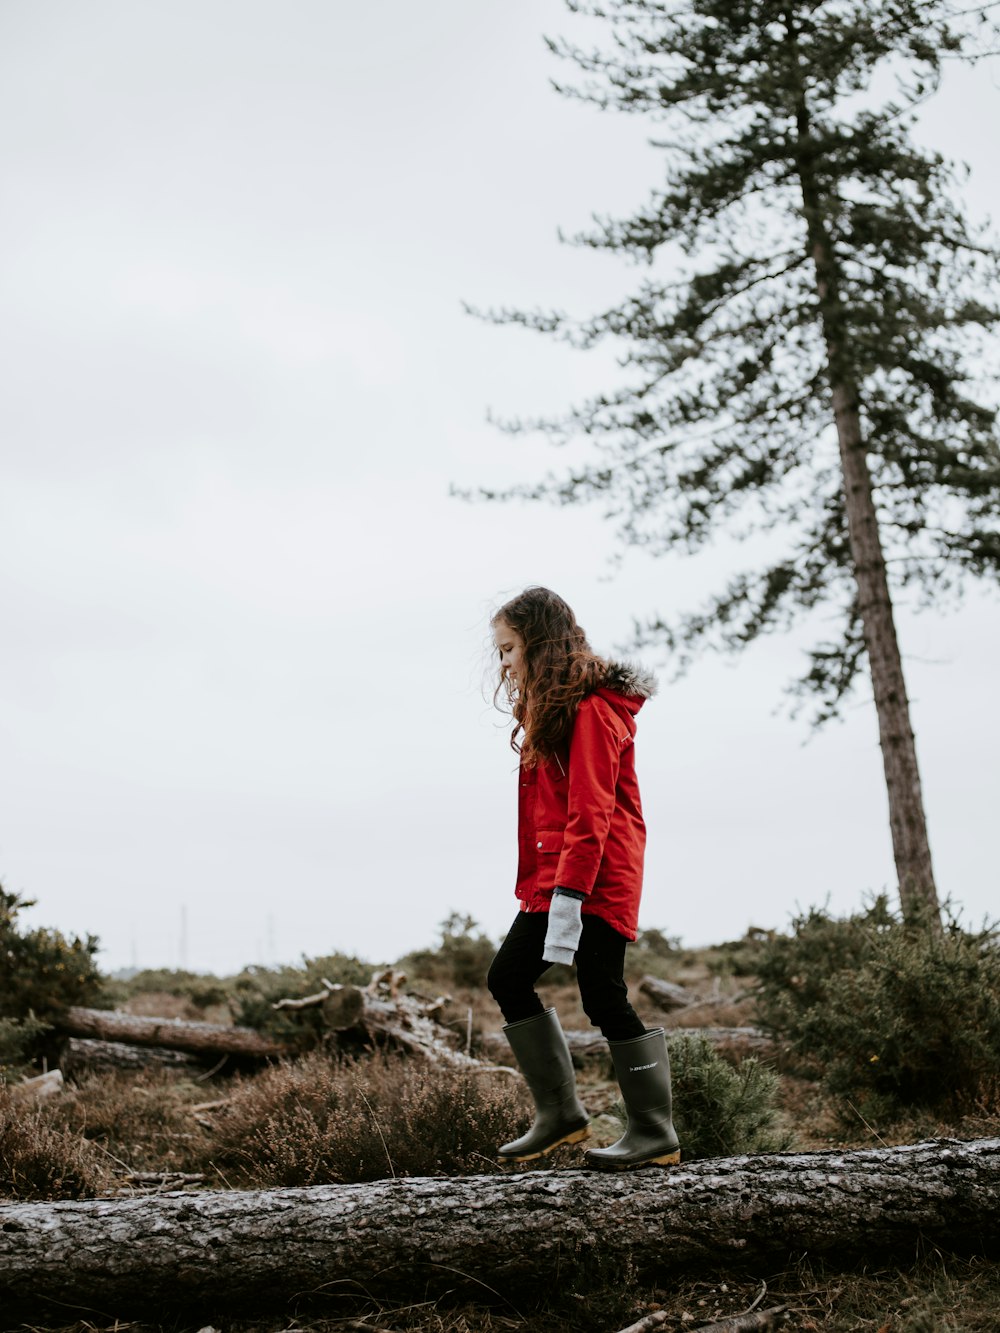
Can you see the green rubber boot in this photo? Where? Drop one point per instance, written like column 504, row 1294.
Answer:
column 642, row 1066
column 539, row 1045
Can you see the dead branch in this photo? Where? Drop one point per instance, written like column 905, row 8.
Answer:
column 745, row 1323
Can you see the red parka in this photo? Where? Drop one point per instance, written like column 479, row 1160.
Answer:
column 580, row 822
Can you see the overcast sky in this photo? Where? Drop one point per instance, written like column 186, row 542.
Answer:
column 242, row 708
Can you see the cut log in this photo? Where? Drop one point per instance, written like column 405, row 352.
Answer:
column 378, row 1014
column 734, row 1043
column 666, row 995
column 84, row 1055
column 512, row 1233
column 209, row 1039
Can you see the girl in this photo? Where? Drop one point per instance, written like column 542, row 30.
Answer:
column 581, row 839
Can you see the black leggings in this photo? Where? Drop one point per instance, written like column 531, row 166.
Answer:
column 600, row 964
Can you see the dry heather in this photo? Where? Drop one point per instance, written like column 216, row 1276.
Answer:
column 318, row 1120
column 141, row 1121
column 40, row 1159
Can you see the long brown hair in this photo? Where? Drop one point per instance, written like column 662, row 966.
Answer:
column 559, row 668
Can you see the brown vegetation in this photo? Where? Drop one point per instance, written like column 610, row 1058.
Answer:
column 317, row 1121
column 41, row 1159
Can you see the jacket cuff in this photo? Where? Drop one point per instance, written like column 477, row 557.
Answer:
column 552, row 953
column 578, row 894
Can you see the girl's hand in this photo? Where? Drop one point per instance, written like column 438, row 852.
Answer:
column 562, row 938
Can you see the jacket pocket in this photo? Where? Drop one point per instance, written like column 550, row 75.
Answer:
column 548, row 845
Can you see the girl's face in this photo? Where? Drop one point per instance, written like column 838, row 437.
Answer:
column 510, row 646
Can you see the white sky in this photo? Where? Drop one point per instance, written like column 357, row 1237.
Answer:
column 244, row 626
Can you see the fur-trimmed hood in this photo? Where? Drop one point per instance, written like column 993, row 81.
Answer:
column 629, row 678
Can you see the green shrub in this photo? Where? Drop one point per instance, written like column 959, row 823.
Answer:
column 794, row 971
column 890, row 1016
column 319, row 1120
column 41, row 1160
column 18, row 1039
column 738, row 958
column 201, row 990
column 462, row 958
column 719, row 1110
column 42, row 972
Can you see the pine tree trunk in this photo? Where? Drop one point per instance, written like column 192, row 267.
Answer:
column 910, row 845
column 907, row 821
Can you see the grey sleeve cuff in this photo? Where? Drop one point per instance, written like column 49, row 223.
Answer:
column 565, row 925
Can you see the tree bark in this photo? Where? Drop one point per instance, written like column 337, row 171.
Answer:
column 907, row 820
column 199, row 1038
column 516, row 1234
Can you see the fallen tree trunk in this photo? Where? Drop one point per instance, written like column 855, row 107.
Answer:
column 232, row 1251
column 376, row 1015
column 379, row 1013
column 209, row 1039
column 734, row 1043
column 85, row 1055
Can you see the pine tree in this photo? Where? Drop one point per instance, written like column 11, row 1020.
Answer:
column 807, row 374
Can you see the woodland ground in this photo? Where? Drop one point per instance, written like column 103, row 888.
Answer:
column 145, row 1122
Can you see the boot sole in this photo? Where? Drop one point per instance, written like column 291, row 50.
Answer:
column 576, row 1136
column 604, row 1164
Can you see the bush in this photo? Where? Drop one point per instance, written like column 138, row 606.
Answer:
column 739, row 958
column 891, row 1016
column 40, row 1160
column 318, row 1120
column 42, row 972
column 18, row 1038
column 794, row 971
column 720, row 1111
column 462, row 958
column 200, row 990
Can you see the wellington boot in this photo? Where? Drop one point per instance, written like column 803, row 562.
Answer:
column 539, row 1045
column 642, row 1067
